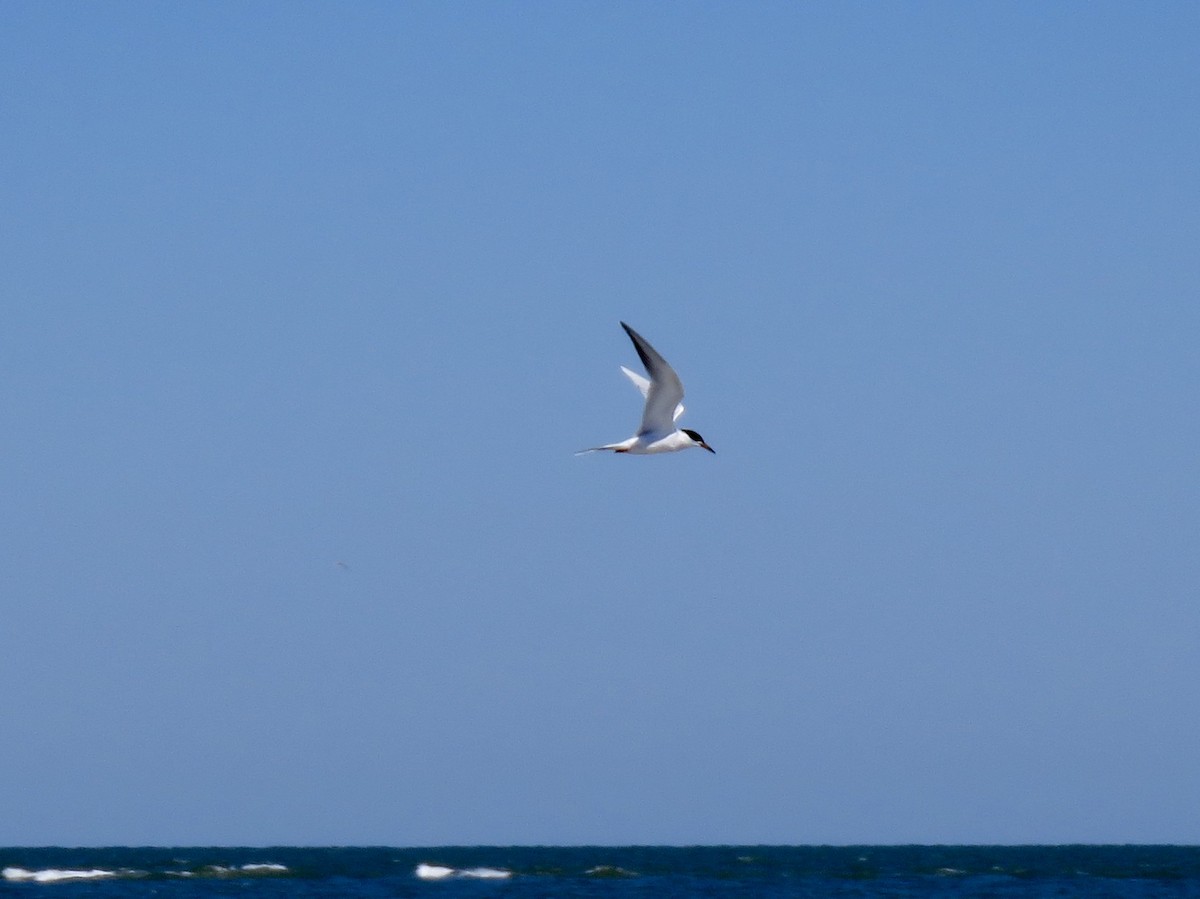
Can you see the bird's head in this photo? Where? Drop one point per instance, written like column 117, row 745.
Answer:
column 698, row 440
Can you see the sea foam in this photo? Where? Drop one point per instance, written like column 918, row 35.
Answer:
column 66, row 875
column 55, row 875
column 441, row 872
column 433, row 872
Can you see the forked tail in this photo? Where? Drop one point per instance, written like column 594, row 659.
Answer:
column 610, row 447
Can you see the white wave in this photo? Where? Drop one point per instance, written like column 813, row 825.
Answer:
column 485, row 873
column 441, row 872
column 433, row 872
column 262, row 869
column 55, row 875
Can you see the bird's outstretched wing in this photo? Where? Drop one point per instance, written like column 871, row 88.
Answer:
column 665, row 391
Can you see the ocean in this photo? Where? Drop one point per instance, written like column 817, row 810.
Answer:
column 637, row 871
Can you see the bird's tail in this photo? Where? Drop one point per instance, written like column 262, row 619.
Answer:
column 611, row 447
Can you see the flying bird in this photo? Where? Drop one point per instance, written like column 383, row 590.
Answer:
column 663, row 393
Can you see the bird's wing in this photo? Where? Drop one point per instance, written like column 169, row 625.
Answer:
column 644, row 386
column 664, row 395
column 639, row 382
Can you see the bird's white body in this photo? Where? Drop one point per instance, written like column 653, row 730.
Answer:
column 663, row 392
column 645, row 444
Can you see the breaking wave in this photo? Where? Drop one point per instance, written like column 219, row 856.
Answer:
column 440, row 872
column 67, row 875
column 56, row 875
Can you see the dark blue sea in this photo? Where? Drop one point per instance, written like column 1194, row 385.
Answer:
column 637, row 871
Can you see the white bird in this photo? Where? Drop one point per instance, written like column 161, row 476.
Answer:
column 663, row 393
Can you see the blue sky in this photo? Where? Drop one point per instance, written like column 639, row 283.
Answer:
column 307, row 307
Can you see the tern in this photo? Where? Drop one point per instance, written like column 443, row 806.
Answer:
column 663, row 393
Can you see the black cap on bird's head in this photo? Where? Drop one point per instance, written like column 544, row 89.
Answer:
column 698, row 440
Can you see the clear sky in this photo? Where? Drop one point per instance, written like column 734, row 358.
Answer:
column 306, row 307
